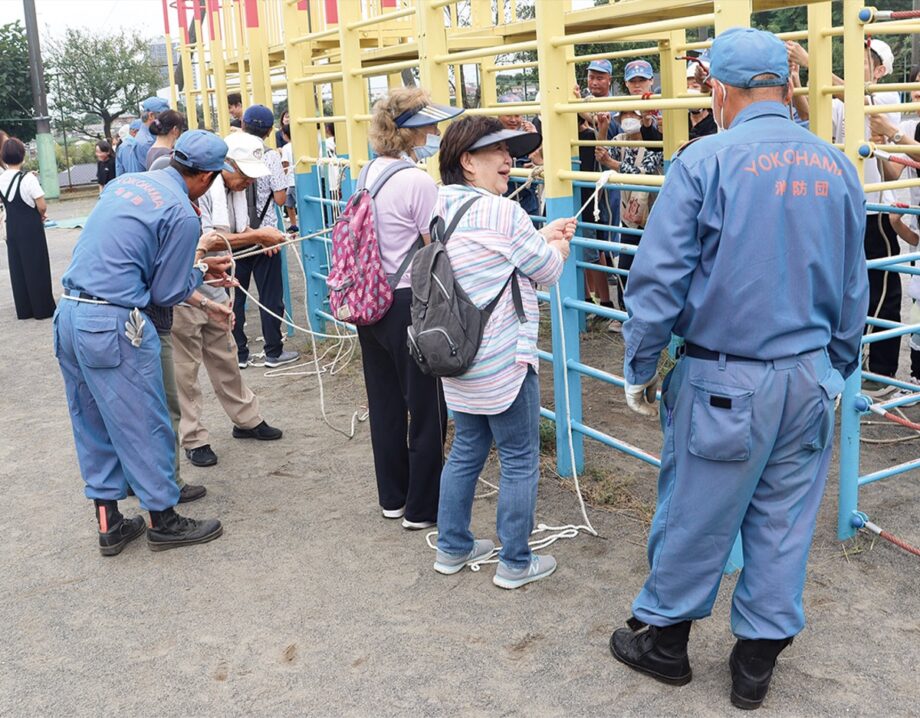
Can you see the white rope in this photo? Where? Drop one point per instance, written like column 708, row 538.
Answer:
column 318, row 370
column 536, row 172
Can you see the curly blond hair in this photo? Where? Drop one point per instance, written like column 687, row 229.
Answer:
column 385, row 137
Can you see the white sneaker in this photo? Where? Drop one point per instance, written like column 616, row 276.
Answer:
column 449, row 565
column 394, row 513
column 615, row 326
column 539, row 567
column 418, row 525
column 901, row 393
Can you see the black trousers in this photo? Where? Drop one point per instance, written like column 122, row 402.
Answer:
column 267, row 272
column 407, row 414
column 884, row 293
column 625, row 262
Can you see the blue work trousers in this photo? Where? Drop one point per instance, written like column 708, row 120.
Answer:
column 746, row 447
column 516, row 432
column 117, row 404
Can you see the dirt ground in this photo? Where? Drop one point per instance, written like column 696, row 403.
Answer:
column 312, row 604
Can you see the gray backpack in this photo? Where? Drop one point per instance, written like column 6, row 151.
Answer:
column 447, row 327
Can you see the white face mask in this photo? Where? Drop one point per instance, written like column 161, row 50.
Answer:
column 631, row 125
column 430, row 148
column 720, row 120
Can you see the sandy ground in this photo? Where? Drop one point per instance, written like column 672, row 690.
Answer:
column 311, row 604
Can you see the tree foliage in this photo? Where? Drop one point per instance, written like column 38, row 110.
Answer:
column 98, row 78
column 15, row 88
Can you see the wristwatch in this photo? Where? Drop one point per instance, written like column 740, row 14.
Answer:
column 896, row 137
column 202, row 267
column 204, row 303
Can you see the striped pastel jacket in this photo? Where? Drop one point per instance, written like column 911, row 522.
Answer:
column 492, row 239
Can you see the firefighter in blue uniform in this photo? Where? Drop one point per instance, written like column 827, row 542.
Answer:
column 754, row 255
column 136, row 159
column 138, row 248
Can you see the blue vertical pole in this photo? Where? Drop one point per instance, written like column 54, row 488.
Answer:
column 312, row 251
column 285, row 279
column 567, row 334
column 848, row 498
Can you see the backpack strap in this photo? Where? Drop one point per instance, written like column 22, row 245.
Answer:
column 515, row 298
column 387, row 173
column 362, row 176
column 393, row 279
column 455, row 220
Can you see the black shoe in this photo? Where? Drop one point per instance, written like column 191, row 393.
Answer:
column 262, row 432
column 191, row 492
column 201, row 456
column 170, row 530
column 658, row 652
column 115, row 531
column 751, row 664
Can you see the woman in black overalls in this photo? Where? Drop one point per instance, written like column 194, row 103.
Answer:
column 27, row 248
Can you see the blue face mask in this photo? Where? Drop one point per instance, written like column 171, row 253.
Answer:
column 429, row 149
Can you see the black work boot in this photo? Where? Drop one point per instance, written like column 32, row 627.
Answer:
column 170, row 530
column 751, row 664
column 115, row 531
column 658, row 652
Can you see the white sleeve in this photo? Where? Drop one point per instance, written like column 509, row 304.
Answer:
column 31, row 188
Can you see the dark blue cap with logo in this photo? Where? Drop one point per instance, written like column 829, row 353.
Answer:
column 201, row 150
column 259, row 117
column 741, row 53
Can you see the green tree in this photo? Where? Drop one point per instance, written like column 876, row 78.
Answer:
column 15, row 89
column 99, row 78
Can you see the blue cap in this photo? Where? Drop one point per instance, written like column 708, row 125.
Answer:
column 201, row 150
column 154, row 104
column 431, row 113
column 638, row 68
column 259, row 117
column 511, row 98
column 601, row 66
column 740, row 54
column 135, row 125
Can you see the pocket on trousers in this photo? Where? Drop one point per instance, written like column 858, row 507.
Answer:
column 820, row 424
column 97, row 342
column 720, row 423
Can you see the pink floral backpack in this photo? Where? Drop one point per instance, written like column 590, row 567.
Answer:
column 360, row 291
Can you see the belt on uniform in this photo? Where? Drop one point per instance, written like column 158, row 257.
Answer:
column 695, row 351
column 79, row 295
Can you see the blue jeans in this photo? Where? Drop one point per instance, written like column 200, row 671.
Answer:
column 516, row 433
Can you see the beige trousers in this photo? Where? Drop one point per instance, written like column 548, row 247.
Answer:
column 197, row 341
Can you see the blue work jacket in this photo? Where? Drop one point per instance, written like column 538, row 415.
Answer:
column 139, row 242
column 754, row 248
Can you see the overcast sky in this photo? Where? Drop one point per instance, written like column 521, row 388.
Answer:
column 55, row 16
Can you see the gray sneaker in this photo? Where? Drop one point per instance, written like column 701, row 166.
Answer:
column 540, row 567
column 447, row 564
column 283, row 358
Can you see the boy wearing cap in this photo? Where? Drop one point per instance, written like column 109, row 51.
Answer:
column 270, row 189
column 224, row 208
column 138, row 247
column 748, row 410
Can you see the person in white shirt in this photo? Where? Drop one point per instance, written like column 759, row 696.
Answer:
column 23, row 200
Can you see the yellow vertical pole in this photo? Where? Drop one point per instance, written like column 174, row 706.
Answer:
column 188, row 78
column 354, row 89
column 257, row 43
column 170, row 68
column 432, row 41
column 218, row 68
column 203, row 82
column 300, row 97
column 732, row 13
column 673, row 82
column 458, row 67
column 854, row 82
column 820, row 70
column 481, row 13
column 240, row 35
column 394, row 80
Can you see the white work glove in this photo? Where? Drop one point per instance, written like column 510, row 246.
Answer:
column 641, row 398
